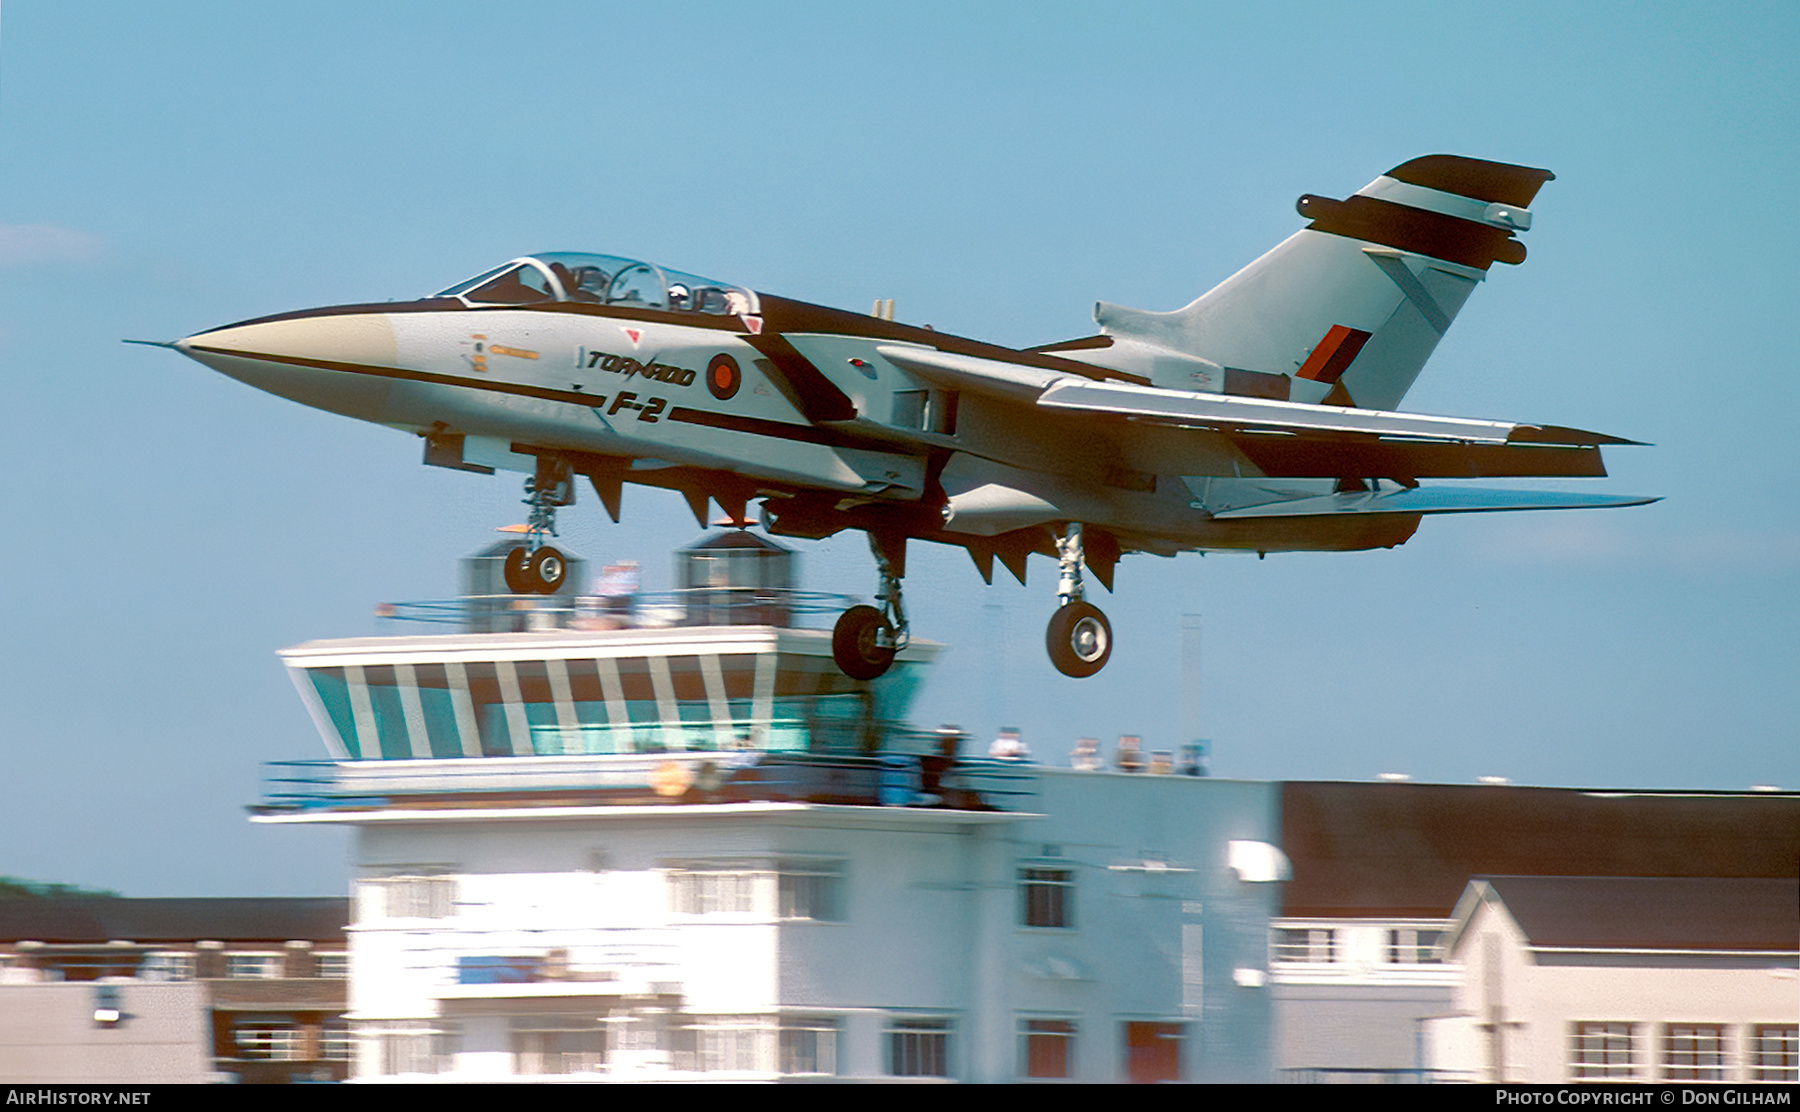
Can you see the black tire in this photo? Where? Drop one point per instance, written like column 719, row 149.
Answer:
column 856, row 643
column 545, row 570
column 1079, row 639
column 513, row 571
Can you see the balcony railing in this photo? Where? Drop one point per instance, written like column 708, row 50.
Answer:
column 893, row 779
column 698, row 606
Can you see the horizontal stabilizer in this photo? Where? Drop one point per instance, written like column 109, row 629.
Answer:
column 1433, row 500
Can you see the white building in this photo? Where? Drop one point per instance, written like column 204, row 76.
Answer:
column 700, row 852
column 1625, row 979
column 1099, row 933
column 1362, row 966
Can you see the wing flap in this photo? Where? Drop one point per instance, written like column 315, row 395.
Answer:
column 1322, row 456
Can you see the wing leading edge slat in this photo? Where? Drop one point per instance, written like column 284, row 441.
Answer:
column 1227, row 411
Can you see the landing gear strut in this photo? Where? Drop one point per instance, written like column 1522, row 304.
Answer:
column 538, row 568
column 865, row 639
column 1079, row 637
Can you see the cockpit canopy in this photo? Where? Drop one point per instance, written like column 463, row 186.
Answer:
column 602, row 280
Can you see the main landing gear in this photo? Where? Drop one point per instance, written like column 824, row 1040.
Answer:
column 1079, row 637
column 865, row 638
column 537, row 568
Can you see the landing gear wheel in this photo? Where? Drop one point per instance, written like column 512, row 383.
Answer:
column 513, row 571
column 1079, row 639
column 545, row 570
column 856, row 643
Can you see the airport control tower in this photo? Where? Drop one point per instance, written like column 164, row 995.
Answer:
column 728, row 662
column 631, row 836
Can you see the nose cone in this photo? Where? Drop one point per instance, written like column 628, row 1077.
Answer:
column 330, row 361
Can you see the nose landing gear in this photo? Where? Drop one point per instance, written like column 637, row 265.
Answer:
column 538, row 568
column 865, row 639
column 1079, row 637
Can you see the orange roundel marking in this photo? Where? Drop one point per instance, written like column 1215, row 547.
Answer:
column 723, row 377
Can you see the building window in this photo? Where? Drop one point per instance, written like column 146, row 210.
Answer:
column 1600, row 1052
column 555, row 1045
column 1412, row 946
column 253, row 967
column 410, row 897
column 414, row 1046
column 1693, row 1052
column 809, row 1044
column 333, row 966
column 810, row 890
column 336, row 1044
column 1316, row 945
column 797, row 889
column 919, row 1048
column 707, row 891
column 1048, row 1047
column 279, row 1042
column 725, row 1043
column 167, row 965
column 1775, row 1052
column 1046, row 896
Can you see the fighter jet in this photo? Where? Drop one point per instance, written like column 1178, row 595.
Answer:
column 1262, row 417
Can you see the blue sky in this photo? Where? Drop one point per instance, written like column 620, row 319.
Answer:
column 994, row 168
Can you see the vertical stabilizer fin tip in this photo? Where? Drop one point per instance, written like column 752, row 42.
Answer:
column 1495, row 182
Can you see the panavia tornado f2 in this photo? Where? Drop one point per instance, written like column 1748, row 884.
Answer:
column 1262, row 417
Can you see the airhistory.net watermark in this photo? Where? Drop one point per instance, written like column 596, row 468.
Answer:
column 43, row 1097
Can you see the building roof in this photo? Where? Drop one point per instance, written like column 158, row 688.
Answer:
column 738, row 538
column 223, row 919
column 1651, row 913
column 1407, row 850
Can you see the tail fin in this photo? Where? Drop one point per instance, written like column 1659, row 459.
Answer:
column 1347, row 310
